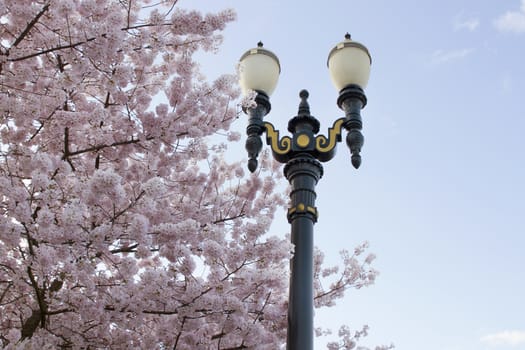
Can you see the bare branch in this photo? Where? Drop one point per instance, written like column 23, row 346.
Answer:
column 40, row 299
column 56, row 48
column 30, row 25
column 99, row 147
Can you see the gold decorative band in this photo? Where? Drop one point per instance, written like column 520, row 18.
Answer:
column 301, row 208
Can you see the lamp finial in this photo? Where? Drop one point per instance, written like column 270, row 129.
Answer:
column 304, row 108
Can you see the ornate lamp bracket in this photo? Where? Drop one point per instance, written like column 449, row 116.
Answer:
column 304, row 128
column 326, row 147
column 281, row 147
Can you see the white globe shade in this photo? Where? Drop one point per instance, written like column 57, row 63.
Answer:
column 349, row 63
column 259, row 70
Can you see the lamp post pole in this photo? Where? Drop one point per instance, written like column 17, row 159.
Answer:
column 303, row 153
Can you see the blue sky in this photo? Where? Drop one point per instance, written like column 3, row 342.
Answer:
column 440, row 195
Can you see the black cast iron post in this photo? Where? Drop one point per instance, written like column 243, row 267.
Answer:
column 302, row 172
column 303, row 154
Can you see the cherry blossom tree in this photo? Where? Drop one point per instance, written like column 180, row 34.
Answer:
column 121, row 225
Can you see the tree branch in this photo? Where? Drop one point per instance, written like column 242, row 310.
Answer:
column 31, row 323
column 4, row 293
column 126, row 249
column 30, row 26
column 180, row 332
column 99, row 147
column 228, row 218
column 60, row 311
column 117, row 215
column 56, row 48
column 66, row 148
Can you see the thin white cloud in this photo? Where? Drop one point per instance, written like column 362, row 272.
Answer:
column 441, row 56
column 512, row 338
column 470, row 24
column 512, row 21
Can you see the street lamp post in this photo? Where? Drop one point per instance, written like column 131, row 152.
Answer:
column 349, row 66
